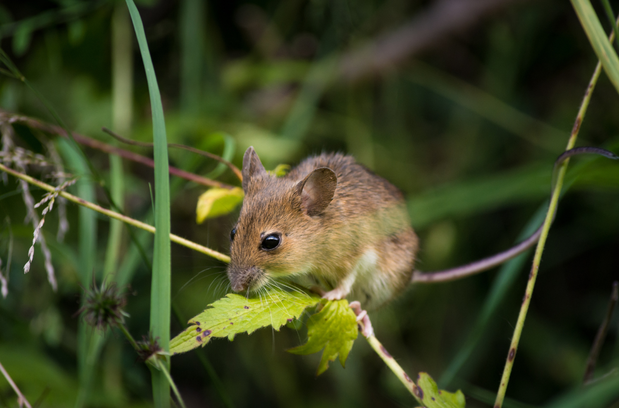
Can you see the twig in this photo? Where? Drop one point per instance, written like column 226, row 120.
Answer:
column 395, row 367
column 115, row 215
column 509, row 363
column 231, row 166
column 601, row 334
column 425, row 29
column 21, row 400
column 104, row 147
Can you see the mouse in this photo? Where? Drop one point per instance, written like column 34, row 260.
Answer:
column 330, row 223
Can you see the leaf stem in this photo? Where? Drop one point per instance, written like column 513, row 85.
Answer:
column 395, row 367
column 165, row 372
column 112, row 214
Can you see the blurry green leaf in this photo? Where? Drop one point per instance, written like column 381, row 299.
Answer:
column 598, row 39
column 228, row 153
column 471, row 196
column 235, row 314
column 21, row 38
column 77, row 30
column 432, row 397
column 280, row 171
column 334, row 328
column 218, row 201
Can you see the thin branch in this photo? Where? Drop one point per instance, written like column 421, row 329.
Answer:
column 115, row 215
column 601, row 334
column 21, row 400
column 209, row 155
column 424, row 30
column 509, row 363
column 104, row 147
column 393, row 365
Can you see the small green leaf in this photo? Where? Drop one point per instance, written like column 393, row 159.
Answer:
column 218, row 201
column 21, row 38
column 431, row 397
column 235, row 314
column 280, row 171
column 334, row 328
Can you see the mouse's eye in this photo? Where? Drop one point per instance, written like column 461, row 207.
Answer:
column 271, row 241
column 232, row 234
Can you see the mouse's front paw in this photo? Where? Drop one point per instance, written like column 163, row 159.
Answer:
column 335, row 294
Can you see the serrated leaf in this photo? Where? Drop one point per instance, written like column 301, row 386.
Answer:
column 235, row 314
column 334, row 328
column 430, row 396
column 218, row 201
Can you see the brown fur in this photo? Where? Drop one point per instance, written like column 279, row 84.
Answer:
column 325, row 234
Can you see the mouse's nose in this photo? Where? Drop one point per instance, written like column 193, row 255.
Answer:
column 241, row 277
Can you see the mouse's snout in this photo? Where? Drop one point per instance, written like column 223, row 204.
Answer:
column 242, row 277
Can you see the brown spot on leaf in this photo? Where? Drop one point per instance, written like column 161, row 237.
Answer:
column 407, row 378
column 207, row 333
column 418, row 391
column 198, row 329
column 231, row 322
column 199, row 339
column 245, row 307
column 385, row 352
column 512, row 354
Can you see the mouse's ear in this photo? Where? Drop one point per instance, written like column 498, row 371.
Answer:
column 252, row 167
column 316, row 190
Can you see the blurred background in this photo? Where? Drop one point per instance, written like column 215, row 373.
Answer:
column 462, row 104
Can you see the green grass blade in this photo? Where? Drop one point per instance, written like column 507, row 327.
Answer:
column 161, row 281
column 86, row 263
column 602, row 47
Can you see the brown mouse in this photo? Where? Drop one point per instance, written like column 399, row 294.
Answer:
column 329, row 222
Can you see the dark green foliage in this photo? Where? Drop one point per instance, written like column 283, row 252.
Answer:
column 468, row 127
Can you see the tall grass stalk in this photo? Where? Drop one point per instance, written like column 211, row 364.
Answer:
column 86, row 264
column 550, row 215
column 161, row 281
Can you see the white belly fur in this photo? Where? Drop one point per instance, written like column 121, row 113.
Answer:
column 368, row 285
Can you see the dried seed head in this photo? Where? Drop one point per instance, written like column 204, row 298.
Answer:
column 149, row 348
column 103, row 306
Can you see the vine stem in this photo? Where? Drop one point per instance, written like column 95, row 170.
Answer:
column 112, row 214
column 511, row 355
column 395, row 367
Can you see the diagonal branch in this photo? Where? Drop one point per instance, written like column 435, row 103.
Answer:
column 104, row 147
column 112, row 214
column 424, row 30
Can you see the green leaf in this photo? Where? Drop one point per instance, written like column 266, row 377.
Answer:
column 21, row 38
column 218, row 201
column 280, row 170
column 431, row 397
column 235, row 314
column 334, row 328
column 597, row 37
column 228, row 153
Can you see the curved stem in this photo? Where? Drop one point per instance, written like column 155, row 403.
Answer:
column 509, row 363
column 112, row 214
